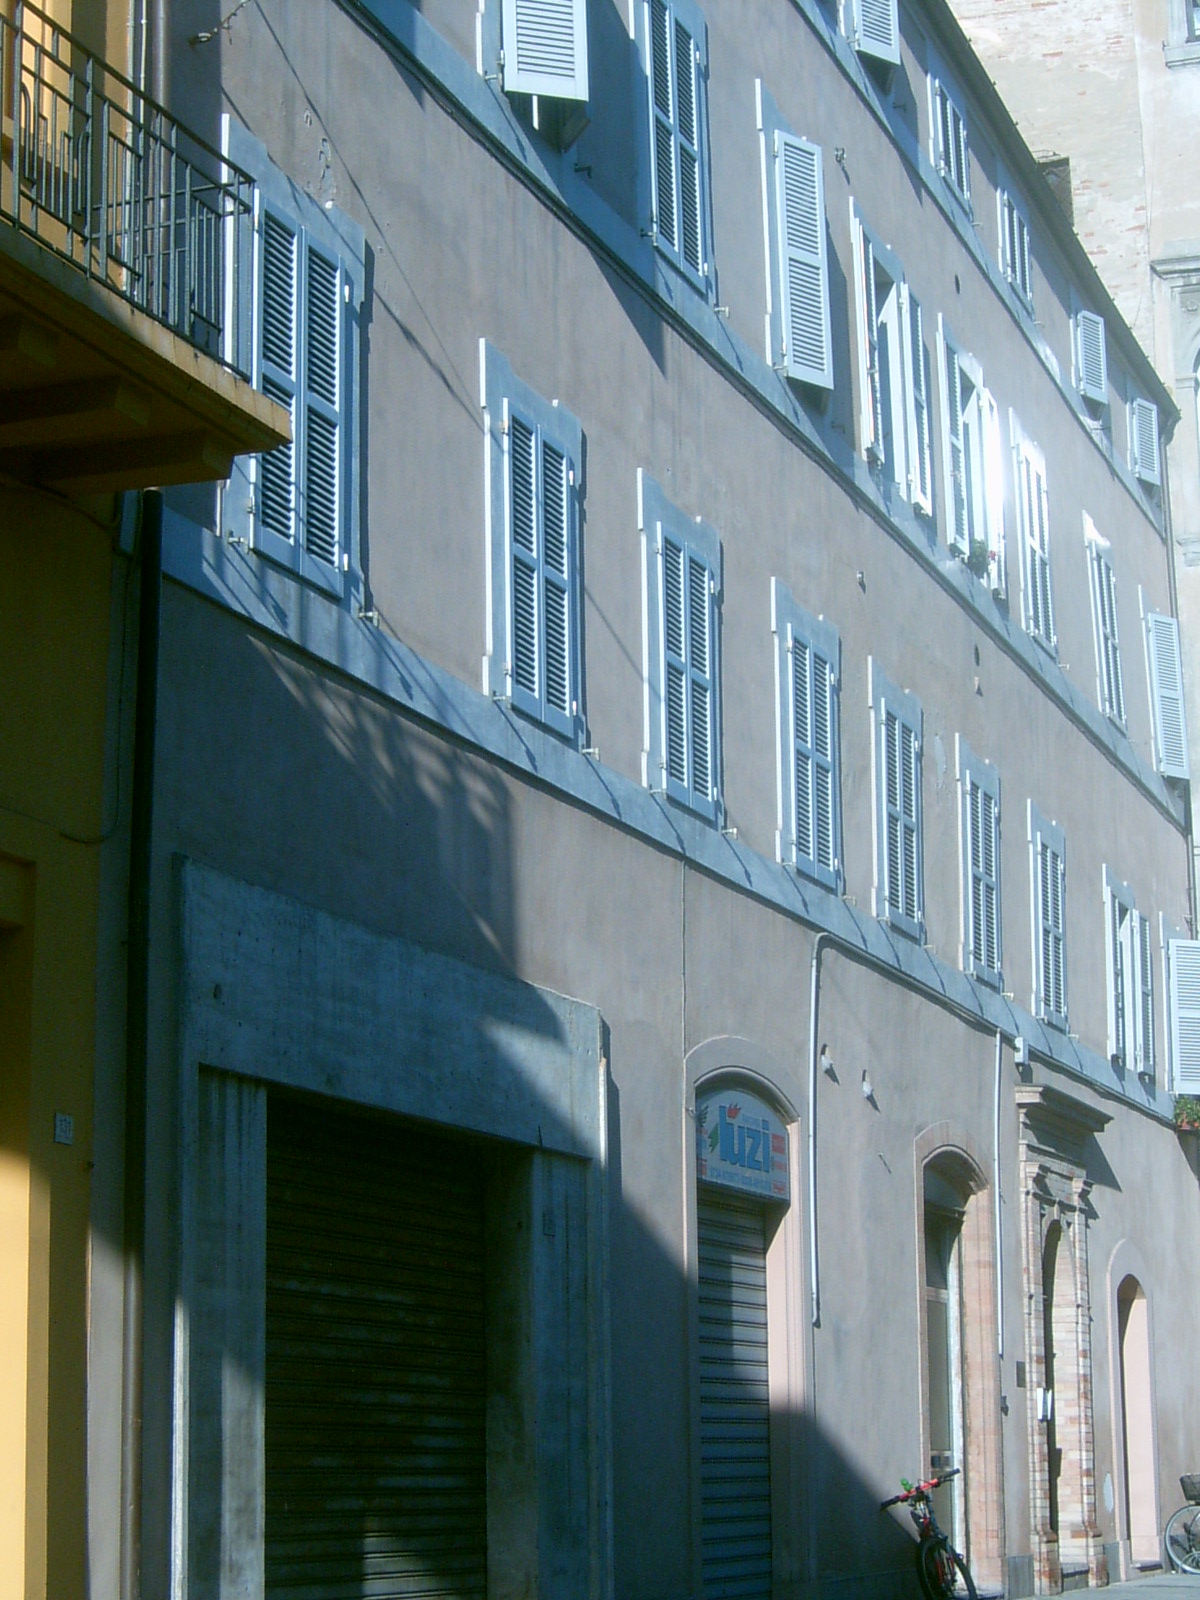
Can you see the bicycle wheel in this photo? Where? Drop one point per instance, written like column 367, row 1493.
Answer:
column 1182, row 1539
column 943, row 1572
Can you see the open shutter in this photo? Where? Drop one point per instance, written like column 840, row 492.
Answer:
column 877, row 29
column 1093, row 368
column 1183, row 966
column 691, row 236
column 807, row 345
column 319, row 496
column 278, row 377
column 871, row 407
column 1119, row 1021
column 700, row 685
column 957, row 533
column 920, row 475
column 1166, row 695
column 1143, row 441
column 545, row 48
column 1144, row 998
column 662, row 97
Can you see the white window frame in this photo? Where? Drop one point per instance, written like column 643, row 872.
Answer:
column 1145, row 450
column 679, row 741
column 979, row 858
column 949, row 147
column 972, row 459
column 659, row 24
column 898, row 811
column 1130, row 979
column 1016, row 251
column 893, row 369
column 808, row 759
column 1033, row 524
column 799, row 336
column 1181, row 977
column 1091, row 357
column 530, row 578
column 321, row 391
column 1110, row 683
column 1164, row 670
column 1048, row 901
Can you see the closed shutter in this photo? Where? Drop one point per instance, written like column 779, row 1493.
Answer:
column 1143, row 441
column 1166, row 694
column 1145, row 1060
column 735, row 1469
column 801, row 205
column 545, row 48
column 813, row 734
column 322, row 408
column 1184, row 969
column 675, row 104
column 375, row 1360
column 688, row 673
column 278, row 374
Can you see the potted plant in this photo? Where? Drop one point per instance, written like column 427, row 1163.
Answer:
column 1187, row 1113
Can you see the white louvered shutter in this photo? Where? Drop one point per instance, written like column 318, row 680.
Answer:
column 1051, row 888
column 691, row 241
column 319, row 480
column 1035, row 515
column 872, row 398
column 675, row 650
column 956, row 450
column 813, row 734
column 1166, row 695
column 1117, row 944
column 700, row 677
column 556, row 581
column 541, row 536
column 278, row 375
column 545, row 48
column 523, row 517
column 675, row 99
column 920, row 475
column 662, row 95
column 1105, row 598
column 903, row 866
column 1091, row 361
column 1183, row 966
column 1144, row 1054
column 984, row 842
column 807, row 347
column 1143, row 441
column 993, row 470
column 877, row 29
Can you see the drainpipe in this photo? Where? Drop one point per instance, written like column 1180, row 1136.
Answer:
column 996, row 1193
column 136, row 1038
column 814, row 991
column 1169, row 532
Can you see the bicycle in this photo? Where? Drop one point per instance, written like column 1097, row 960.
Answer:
column 939, row 1565
column 1182, row 1534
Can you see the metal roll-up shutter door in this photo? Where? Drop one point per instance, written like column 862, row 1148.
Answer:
column 375, row 1363
column 735, row 1467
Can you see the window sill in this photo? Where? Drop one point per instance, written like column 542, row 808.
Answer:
column 1182, row 55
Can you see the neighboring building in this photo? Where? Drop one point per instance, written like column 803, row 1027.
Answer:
column 1110, row 93
column 102, row 388
column 669, row 855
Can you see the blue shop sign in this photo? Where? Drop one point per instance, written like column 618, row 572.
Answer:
column 741, row 1144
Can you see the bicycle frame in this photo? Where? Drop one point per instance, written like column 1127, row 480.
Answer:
column 938, row 1563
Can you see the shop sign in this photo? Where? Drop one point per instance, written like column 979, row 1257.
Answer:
column 741, row 1144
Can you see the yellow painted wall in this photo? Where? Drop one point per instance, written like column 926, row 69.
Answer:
column 56, row 571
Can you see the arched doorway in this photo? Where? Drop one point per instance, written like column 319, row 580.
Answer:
column 1140, row 1524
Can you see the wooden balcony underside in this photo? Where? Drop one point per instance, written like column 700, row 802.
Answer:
column 97, row 396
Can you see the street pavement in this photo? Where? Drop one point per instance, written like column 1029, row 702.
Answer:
column 1155, row 1586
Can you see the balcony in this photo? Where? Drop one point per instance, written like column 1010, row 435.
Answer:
column 126, row 251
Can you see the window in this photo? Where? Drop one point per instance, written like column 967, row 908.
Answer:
column 1048, row 855
column 681, row 582
column 1166, row 695
column 979, row 824
column 532, row 453
column 971, row 456
column 1183, row 1001
column 949, row 140
column 1110, row 690
column 675, row 46
column 1091, row 366
column 1143, row 441
column 1015, row 257
column 1130, row 980
column 1033, row 520
column 899, row 890
column 893, row 372
column 1183, row 33
column 874, row 29
column 299, row 500
column 807, row 657
column 798, row 335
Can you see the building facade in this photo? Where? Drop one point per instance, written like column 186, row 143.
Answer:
column 668, row 886
column 1112, row 96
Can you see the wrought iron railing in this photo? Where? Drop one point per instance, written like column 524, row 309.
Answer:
column 109, row 181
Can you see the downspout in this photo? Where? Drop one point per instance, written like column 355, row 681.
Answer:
column 814, row 992
column 996, row 1197
column 1169, row 532
column 137, row 1038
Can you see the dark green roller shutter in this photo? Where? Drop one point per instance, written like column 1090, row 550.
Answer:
column 735, row 1468
column 375, row 1365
